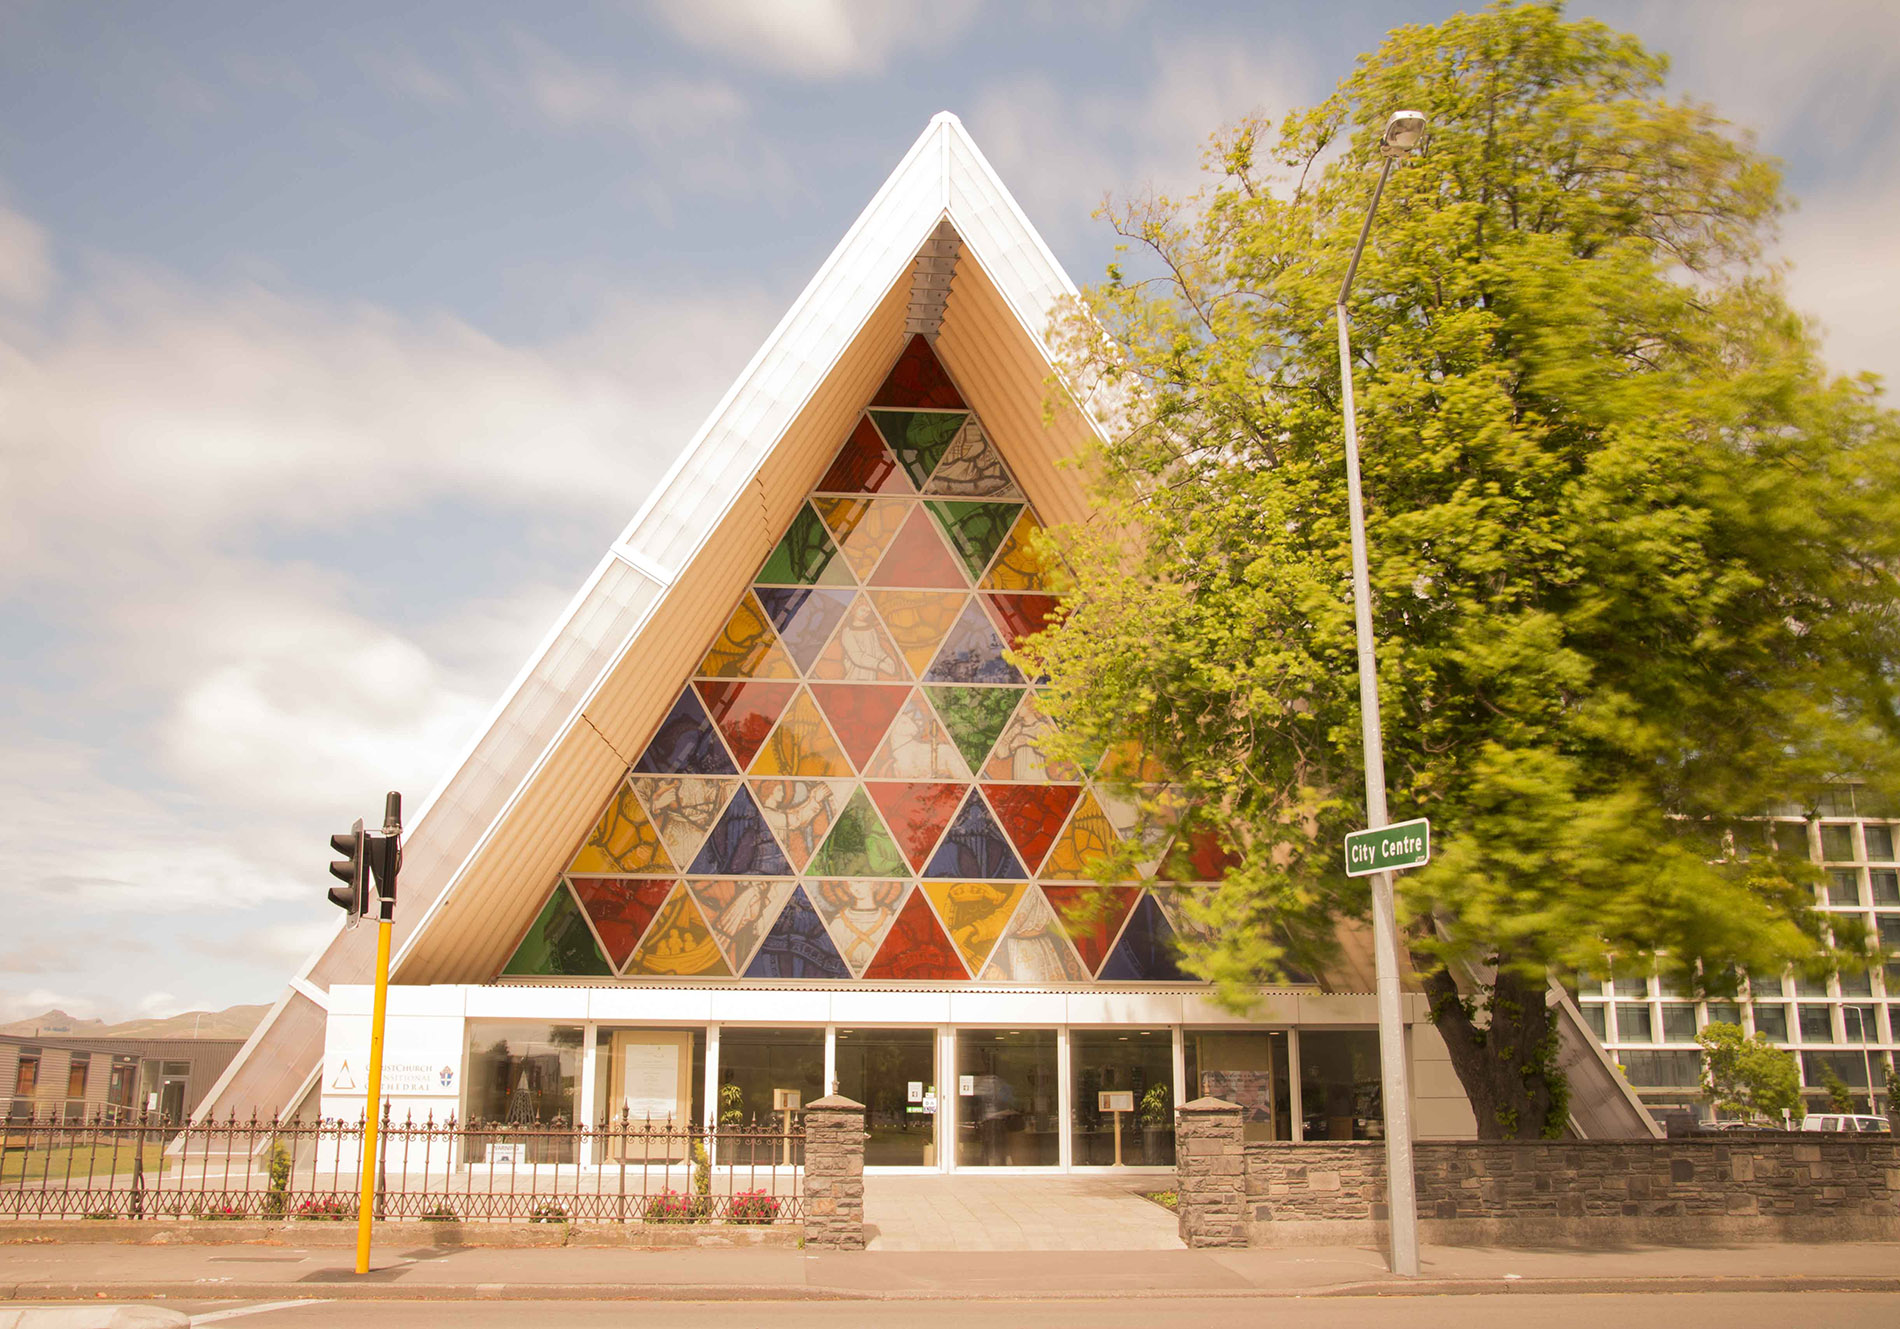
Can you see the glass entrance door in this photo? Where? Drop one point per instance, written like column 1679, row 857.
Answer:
column 893, row 1072
column 1007, row 1098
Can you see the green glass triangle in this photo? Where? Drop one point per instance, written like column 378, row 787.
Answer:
column 918, row 438
column 559, row 943
column 858, row 845
column 805, row 556
column 974, row 717
column 974, row 529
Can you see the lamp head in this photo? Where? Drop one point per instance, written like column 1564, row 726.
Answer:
column 1403, row 132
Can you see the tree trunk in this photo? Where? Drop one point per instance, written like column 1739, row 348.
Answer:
column 1506, row 1062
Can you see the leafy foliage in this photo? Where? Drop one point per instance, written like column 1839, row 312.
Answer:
column 1747, row 1075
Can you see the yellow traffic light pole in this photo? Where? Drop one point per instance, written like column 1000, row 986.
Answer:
column 373, row 1109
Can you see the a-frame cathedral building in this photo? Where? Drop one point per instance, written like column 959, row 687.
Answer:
column 766, row 810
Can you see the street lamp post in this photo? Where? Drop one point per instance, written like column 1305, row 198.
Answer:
column 1866, row 1056
column 1403, row 132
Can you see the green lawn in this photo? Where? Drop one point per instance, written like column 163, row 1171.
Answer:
column 25, row 1168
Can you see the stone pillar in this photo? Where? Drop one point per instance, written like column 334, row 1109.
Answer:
column 834, row 1174
column 1210, row 1172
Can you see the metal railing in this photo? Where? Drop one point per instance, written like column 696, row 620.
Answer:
column 617, row 1171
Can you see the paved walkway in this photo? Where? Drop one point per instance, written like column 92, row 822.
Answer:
column 973, row 1212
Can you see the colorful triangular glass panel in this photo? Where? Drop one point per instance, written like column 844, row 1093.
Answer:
column 918, row 379
column 863, row 527
column 918, row 621
column 679, row 944
column 861, row 650
column 972, row 467
column 1032, row 814
column 917, row 814
column 805, row 555
column 859, row 845
column 686, row 743
column 858, row 914
column 800, row 813
column 1022, row 614
column 1197, row 856
column 1147, row 951
column 620, row 910
column 918, row 439
column 741, row 845
column 684, row 809
column 1184, row 908
column 798, row 946
column 745, row 710
column 623, row 840
column 974, row 914
column 804, row 618
column 1092, row 915
column 917, row 747
column 1034, row 948
column 738, row 914
column 801, row 746
column 975, row 848
column 1083, row 843
column 974, row 529
column 1146, row 816
column 747, row 647
column 865, row 466
column 972, row 653
column 975, row 717
column 860, row 714
column 558, row 942
column 916, row 949
column 1019, row 566
column 918, row 558
column 1016, row 755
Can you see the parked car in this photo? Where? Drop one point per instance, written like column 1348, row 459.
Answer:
column 1845, row 1123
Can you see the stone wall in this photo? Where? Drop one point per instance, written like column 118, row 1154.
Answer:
column 1210, row 1167
column 1572, row 1192
column 834, row 1174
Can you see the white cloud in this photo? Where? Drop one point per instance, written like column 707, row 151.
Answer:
column 661, row 110
column 814, row 39
column 26, row 262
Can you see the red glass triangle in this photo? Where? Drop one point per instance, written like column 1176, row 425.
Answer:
column 1021, row 615
column 620, row 910
column 860, row 714
column 918, row 558
column 1092, row 938
column 1198, row 857
column 745, row 711
column 916, row 814
column 916, row 949
column 918, row 379
column 864, row 466
column 1032, row 814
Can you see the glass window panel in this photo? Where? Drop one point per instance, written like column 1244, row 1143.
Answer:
column 1596, row 1015
column 1860, row 1023
column 1661, row 1070
column 1837, row 843
column 918, row 558
column 1879, row 842
column 525, row 1074
column 1885, row 885
column 1725, row 1012
column 604, row 1106
column 916, row 947
column 975, row 530
column 558, row 942
column 1808, row 986
column 741, row 844
column 975, row 848
column 917, row 621
column 858, row 845
column 804, row 618
column 1889, row 925
column 1857, row 985
column 1678, row 1019
column 754, row 1062
column 745, row 711
column 1771, row 1022
column 1851, row 1067
column 1147, row 951
column 971, row 467
column 1817, row 1023
column 1139, row 1062
column 860, row 714
column 1032, row 815
column 893, row 1072
column 1248, row 1067
column 1633, row 1023
column 973, row 653
column 974, row 716
column 864, row 466
column 918, row 438
column 76, row 1071
column 1791, row 838
column 1843, row 886
column 918, row 379
column 1630, row 981
column 798, row 945
column 974, row 913
column 1339, row 1085
column 1009, row 1117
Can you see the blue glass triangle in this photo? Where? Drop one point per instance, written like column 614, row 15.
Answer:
column 804, row 617
column 741, row 845
column 975, row 848
column 1147, row 951
column 686, row 743
column 798, row 946
column 972, row 653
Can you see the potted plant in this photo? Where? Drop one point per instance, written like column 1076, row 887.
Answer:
column 1157, row 1124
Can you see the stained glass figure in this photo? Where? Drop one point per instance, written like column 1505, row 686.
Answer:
column 861, row 651
column 1016, row 756
column 739, row 913
column 1147, row 951
column 1034, row 948
column 802, row 745
column 679, row 944
column 1082, row 844
column 975, row 847
column 800, row 812
column 745, row 710
column 860, row 714
column 864, row 466
column 916, row 814
column 805, row 556
column 623, row 840
column 1032, row 815
column 972, row 468
column 974, row 913
column 918, row 621
column 917, row 747
column 972, row 653
column 1019, row 566
column 621, row 909
column 863, row 527
column 975, row 716
column 804, row 618
column 1092, row 915
column 917, row 379
column 859, row 845
column 1021, row 615
column 916, row 949
column 918, row 439
column 974, row 530
column 798, row 946
column 558, row 942
column 683, row 808
column 918, row 558
column 748, row 647
column 858, row 914
column 686, row 744
column 741, row 845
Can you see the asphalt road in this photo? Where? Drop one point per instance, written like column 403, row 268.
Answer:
column 1712, row 1310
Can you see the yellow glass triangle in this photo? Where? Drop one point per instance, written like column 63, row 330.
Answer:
column 863, row 528
column 678, row 943
column 974, row 913
column 918, row 621
column 747, row 647
column 624, row 841
column 1019, row 567
column 1082, row 843
column 801, row 745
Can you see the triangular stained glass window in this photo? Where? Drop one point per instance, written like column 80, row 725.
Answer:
column 623, row 840
column 975, row 847
column 805, row 555
column 917, row 558
column 739, row 914
column 918, row 439
column 1147, row 951
column 859, row 845
column 975, row 717
column 1019, row 566
column 798, row 946
column 804, row 618
column 1146, row 816
column 861, row 650
column 865, row 466
column 918, row 380
column 916, row 949
column 745, row 710
column 1092, row 915
column 918, row 621
column 1021, row 615
column 974, row 914
column 620, row 910
column 678, row 944
column 1032, row 814
column 748, row 647
column 1016, row 755
column 863, row 527
column 1034, row 948
column 917, row 747
column 1082, row 844
column 972, row 653
column 686, row 743
column 917, row 814
column 558, row 942
column 974, row 529
column 860, row 714
column 741, row 845
column 800, row 813
column 801, row 746
column 971, row 467
column 858, row 914
column 684, row 809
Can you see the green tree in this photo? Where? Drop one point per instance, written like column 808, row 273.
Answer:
column 1750, row 1076
column 1839, row 1097
column 1629, row 542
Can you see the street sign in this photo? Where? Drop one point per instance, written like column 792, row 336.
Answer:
column 1405, row 845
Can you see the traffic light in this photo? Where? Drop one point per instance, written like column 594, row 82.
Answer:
column 352, row 897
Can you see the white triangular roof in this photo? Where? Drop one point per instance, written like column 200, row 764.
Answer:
column 482, row 847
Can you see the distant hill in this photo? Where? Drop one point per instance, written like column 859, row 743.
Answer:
column 231, row 1022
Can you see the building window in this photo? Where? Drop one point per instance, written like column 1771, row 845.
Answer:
column 893, row 1072
column 1879, row 843
column 1249, row 1067
column 1595, row 1017
column 26, row 1077
column 523, row 1074
column 1843, row 886
column 1771, row 1022
column 1817, row 1023
column 76, row 1075
column 1791, row 838
column 1860, row 1024
column 1135, row 1062
column 1886, row 885
column 1339, row 1085
column 1856, row 985
column 1632, row 1023
column 1006, row 1098
column 1851, row 1067
column 1837, row 843
column 1678, row 1022
column 1725, row 1012
column 1810, row 985
column 1661, row 1070
column 632, row 1082
column 1889, row 925
column 754, row 1062
column 1629, row 982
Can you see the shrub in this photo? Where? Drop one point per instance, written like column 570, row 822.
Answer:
column 548, row 1213
column 221, row 1213
column 671, row 1206
column 331, row 1208
column 753, row 1207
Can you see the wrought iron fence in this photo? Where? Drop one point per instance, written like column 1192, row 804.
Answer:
column 617, row 1171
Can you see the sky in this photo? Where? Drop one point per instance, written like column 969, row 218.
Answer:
column 338, row 341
